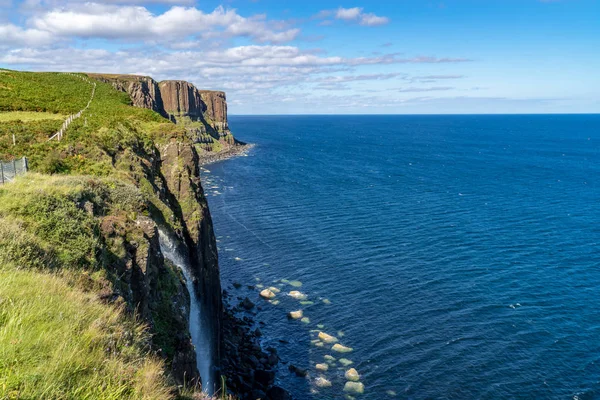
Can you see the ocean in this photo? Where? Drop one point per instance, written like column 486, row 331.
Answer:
column 456, row 255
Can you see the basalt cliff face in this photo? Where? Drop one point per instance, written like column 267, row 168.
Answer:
column 203, row 112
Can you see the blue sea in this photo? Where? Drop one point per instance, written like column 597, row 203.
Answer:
column 458, row 256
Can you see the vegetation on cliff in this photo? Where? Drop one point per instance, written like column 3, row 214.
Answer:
column 85, row 222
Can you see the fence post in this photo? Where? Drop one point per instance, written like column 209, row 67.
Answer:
column 2, row 171
column 25, row 165
column 15, row 167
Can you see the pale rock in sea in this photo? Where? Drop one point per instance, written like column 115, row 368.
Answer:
column 327, row 338
column 322, row 382
column 326, row 301
column 341, row 348
column 390, row 393
column 296, row 314
column 274, row 289
column 345, row 362
column 297, row 295
column 295, row 283
column 322, row 367
column 352, row 375
column 267, row 294
column 305, row 320
column 330, row 359
column 354, row 387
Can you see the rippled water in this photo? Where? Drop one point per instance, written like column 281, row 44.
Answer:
column 460, row 253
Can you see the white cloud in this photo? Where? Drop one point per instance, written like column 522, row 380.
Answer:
column 373, row 20
column 94, row 20
column 14, row 35
column 354, row 14
column 348, row 14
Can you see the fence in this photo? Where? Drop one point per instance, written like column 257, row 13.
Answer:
column 58, row 135
column 10, row 169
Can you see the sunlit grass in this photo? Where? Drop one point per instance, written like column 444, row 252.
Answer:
column 29, row 116
column 57, row 342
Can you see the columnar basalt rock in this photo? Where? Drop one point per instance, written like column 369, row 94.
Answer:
column 142, row 90
column 181, row 99
column 216, row 109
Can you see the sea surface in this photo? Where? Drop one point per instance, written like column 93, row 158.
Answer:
column 460, row 254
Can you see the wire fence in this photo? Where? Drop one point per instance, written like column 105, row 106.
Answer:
column 9, row 170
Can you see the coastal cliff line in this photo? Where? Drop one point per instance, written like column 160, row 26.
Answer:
column 90, row 212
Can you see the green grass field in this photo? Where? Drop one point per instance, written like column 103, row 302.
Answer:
column 26, row 116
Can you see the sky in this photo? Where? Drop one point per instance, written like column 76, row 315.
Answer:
column 328, row 57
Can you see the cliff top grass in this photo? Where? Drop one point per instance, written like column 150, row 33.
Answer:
column 58, row 342
column 109, row 124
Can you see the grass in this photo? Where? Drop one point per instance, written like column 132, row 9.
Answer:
column 65, row 238
column 58, row 342
column 26, row 116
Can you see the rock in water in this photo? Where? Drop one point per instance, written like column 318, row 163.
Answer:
column 322, row 367
column 248, row 304
column 322, row 382
column 295, row 283
column 327, row 338
column 267, row 294
column 329, row 358
column 354, row 387
column 345, row 362
column 341, row 349
column 295, row 314
column 274, row 289
column 305, row 320
column 297, row 295
column 352, row 375
column 301, row 372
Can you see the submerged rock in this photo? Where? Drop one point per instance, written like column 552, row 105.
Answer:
column 354, row 387
column 327, row 338
column 341, row 348
column 329, row 358
column 322, row 367
column 305, row 320
column 296, row 314
column 274, row 289
column 322, row 382
column 345, row 362
column 294, row 283
column 297, row 295
column 267, row 294
column 248, row 304
column 277, row 393
column 352, row 375
column 301, row 372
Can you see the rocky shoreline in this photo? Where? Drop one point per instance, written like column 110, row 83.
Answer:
column 234, row 151
column 249, row 369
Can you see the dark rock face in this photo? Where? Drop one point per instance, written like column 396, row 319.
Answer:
column 181, row 99
column 143, row 277
column 180, row 168
column 143, row 90
column 216, row 109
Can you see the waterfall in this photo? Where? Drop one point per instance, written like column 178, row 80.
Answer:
column 200, row 337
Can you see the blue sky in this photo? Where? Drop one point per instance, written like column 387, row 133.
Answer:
column 333, row 57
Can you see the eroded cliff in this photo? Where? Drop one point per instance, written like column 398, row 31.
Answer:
column 202, row 112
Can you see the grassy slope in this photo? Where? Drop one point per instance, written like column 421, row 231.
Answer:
column 51, row 254
column 58, row 342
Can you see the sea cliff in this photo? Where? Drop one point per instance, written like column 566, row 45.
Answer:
column 93, row 205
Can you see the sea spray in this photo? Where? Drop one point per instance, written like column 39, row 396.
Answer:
column 198, row 330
